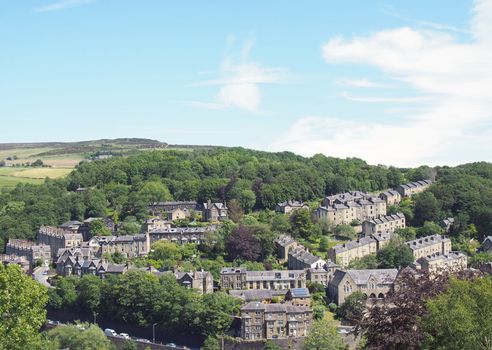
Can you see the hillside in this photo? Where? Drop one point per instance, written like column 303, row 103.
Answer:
column 60, row 158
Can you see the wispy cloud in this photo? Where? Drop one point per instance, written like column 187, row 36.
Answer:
column 362, row 83
column 375, row 99
column 62, row 5
column 429, row 24
column 451, row 127
column 239, row 82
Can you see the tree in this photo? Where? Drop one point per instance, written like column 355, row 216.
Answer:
column 154, row 191
column 406, row 234
column 130, row 226
column 37, row 163
column 428, row 229
column 84, row 337
column 22, row 309
column 461, row 317
column 301, row 223
column 427, row 208
column 211, row 343
column 98, row 228
column 130, row 345
column 323, row 336
column 247, row 199
column 396, row 322
column 366, row 262
column 243, row 245
column 345, row 230
column 318, row 312
column 218, row 308
column 353, row 308
column 323, row 244
column 394, row 255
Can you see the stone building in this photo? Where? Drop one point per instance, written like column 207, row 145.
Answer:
column 257, row 294
column 300, row 258
column 371, row 283
column 299, row 296
column 161, row 209
column 129, row 246
column 155, row 223
column 214, row 212
column 347, row 208
column 425, row 246
column 412, row 188
column 290, row 206
column 58, row 238
column 73, row 264
column 239, row 278
column 269, row 321
column 391, row 197
column 30, row 250
column 438, row 263
column 180, row 235
column 322, row 275
column 387, row 223
column 202, row 281
column 284, row 245
column 177, row 214
column 343, row 254
column 17, row 260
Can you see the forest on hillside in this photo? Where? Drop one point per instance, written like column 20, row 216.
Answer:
column 123, row 187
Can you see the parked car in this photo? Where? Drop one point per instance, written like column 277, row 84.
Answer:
column 110, row 332
column 171, row 345
column 142, row 340
column 125, row 336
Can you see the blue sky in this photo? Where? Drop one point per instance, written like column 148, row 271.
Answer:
column 392, row 82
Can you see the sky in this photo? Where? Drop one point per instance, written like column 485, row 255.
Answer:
column 401, row 83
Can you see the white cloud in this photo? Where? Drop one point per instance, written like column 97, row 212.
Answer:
column 362, row 83
column 61, row 5
column 374, row 99
column 239, row 83
column 455, row 76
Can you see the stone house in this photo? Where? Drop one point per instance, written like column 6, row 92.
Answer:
column 180, row 235
column 241, row 279
column 214, row 212
column 155, row 223
column 18, row 260
column 30, row 250
column 270, row 321
column 322, row 275
column 129, row 246
column 447, row 224
column 387, row 223
column 391, row 197
column 412, row 188
column 58, row 238
column 257, row 294
column 300, row 258
column 340, row 212
column 438, row 263
column 161, row 208
column 202, row 281
column 299, row 296
column 371, row 283
column 284, row 245
column 290, row 206
column 343, row 254
column 177, row 214
column 77, row 265
column 430, row 245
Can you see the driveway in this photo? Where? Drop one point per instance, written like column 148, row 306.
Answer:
column 40, row 276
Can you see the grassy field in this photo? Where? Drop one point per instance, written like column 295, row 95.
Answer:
column 10, row 176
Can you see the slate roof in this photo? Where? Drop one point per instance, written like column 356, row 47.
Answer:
column 353, row 244
column 300, row 293
column 273, row 275
column 256, row 294
column 383, row 276
column 387, row 218
column 426, row 241
column 270, row 308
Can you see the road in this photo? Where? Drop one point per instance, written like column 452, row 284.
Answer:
column 40, row 276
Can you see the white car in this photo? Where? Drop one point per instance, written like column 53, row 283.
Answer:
column 110, row 332
column 125, row 336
